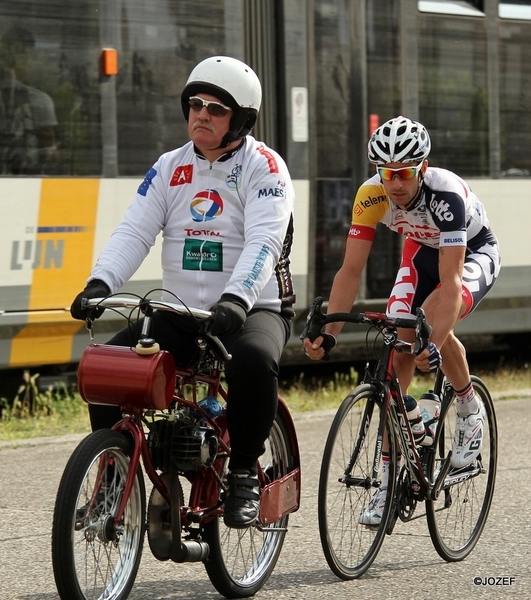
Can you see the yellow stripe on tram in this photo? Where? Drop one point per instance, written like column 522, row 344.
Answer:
column 62, row 261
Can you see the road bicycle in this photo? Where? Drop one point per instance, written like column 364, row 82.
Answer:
column 457, row 501
column 102, row 513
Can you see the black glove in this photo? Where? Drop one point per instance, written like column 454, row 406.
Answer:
column 228, row 315
column 95, row 289
column 329, row 342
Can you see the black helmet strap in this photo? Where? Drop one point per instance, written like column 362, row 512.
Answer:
column 240, row 125
column 242, row 121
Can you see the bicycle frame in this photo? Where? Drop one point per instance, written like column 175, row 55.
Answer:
column 394, row 411
column 388, row 389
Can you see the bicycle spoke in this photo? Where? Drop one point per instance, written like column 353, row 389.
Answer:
column 345, row 487
column 241, row 561
column 93, row 557
column 457, row 518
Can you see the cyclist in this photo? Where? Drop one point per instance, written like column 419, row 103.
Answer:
column 224, row 203
column 450, row 260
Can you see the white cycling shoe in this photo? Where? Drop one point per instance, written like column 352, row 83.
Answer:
column 468, row 440
column 372, row 515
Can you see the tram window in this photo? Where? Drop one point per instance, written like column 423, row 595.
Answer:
column 515, row 98
column 383, row 263
column 159, row 49
column 384, row 99
column 334, row 216
column 333, row 89
column 335, row 135
column 333, row 221
column 453, row 92
column 49, row 101
column 384, row 83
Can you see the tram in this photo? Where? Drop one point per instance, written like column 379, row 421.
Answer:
column 90, row 97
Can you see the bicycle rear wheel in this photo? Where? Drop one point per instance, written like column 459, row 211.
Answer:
column 346, row 485
column 93, row 556
column 241, row 560
column 457, row 518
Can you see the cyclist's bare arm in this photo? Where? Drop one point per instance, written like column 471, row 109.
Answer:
column 344, row 291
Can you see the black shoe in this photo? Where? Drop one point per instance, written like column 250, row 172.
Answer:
column 242, row 502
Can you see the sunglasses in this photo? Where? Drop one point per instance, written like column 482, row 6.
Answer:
column 403, row 173
column 214, row 109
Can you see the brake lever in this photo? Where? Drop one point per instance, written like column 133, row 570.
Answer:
column 422, row 332
column 314, row 321
column 218, row 345
column 89, row 327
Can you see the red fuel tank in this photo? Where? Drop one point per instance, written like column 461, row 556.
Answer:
column 117, row 375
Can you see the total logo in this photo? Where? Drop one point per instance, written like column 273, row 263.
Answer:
column 206, row 206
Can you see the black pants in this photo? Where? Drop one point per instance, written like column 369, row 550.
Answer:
column 252, row 375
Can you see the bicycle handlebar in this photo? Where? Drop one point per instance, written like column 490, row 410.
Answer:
column 316, row 320
column 132, row 302
column 142, row 304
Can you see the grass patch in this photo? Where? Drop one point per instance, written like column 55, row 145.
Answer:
column 34, row 413
column 76, row 420
column 61, row 412
column 315, row 392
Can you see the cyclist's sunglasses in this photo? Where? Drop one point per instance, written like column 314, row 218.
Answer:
column 214, row 109
column 403, row 173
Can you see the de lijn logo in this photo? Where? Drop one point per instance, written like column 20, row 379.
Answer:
column 206, row 205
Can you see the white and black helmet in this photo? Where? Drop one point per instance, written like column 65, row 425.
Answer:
column 235, row 84
column 399, row 140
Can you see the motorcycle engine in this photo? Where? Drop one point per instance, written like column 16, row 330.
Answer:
column 181, row 444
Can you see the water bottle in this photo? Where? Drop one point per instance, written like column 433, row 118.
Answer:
column 415, row 419
column 430, row 409
column 211, row 406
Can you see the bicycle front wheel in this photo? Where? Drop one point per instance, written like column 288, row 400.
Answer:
column 241, row 560
column 457, row 518
column 94, row 556
column 346, row 485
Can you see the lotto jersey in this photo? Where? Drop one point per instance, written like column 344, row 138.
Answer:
column 447, row 212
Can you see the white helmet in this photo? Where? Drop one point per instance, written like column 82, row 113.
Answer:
column 235, row 84
column 399, row 140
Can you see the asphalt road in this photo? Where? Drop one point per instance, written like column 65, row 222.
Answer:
column 407, row 567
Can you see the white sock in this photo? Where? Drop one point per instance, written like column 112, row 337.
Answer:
column 385, row 469
column 467, row 403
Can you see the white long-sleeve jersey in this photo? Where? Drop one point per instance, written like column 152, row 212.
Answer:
column 227, row 227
